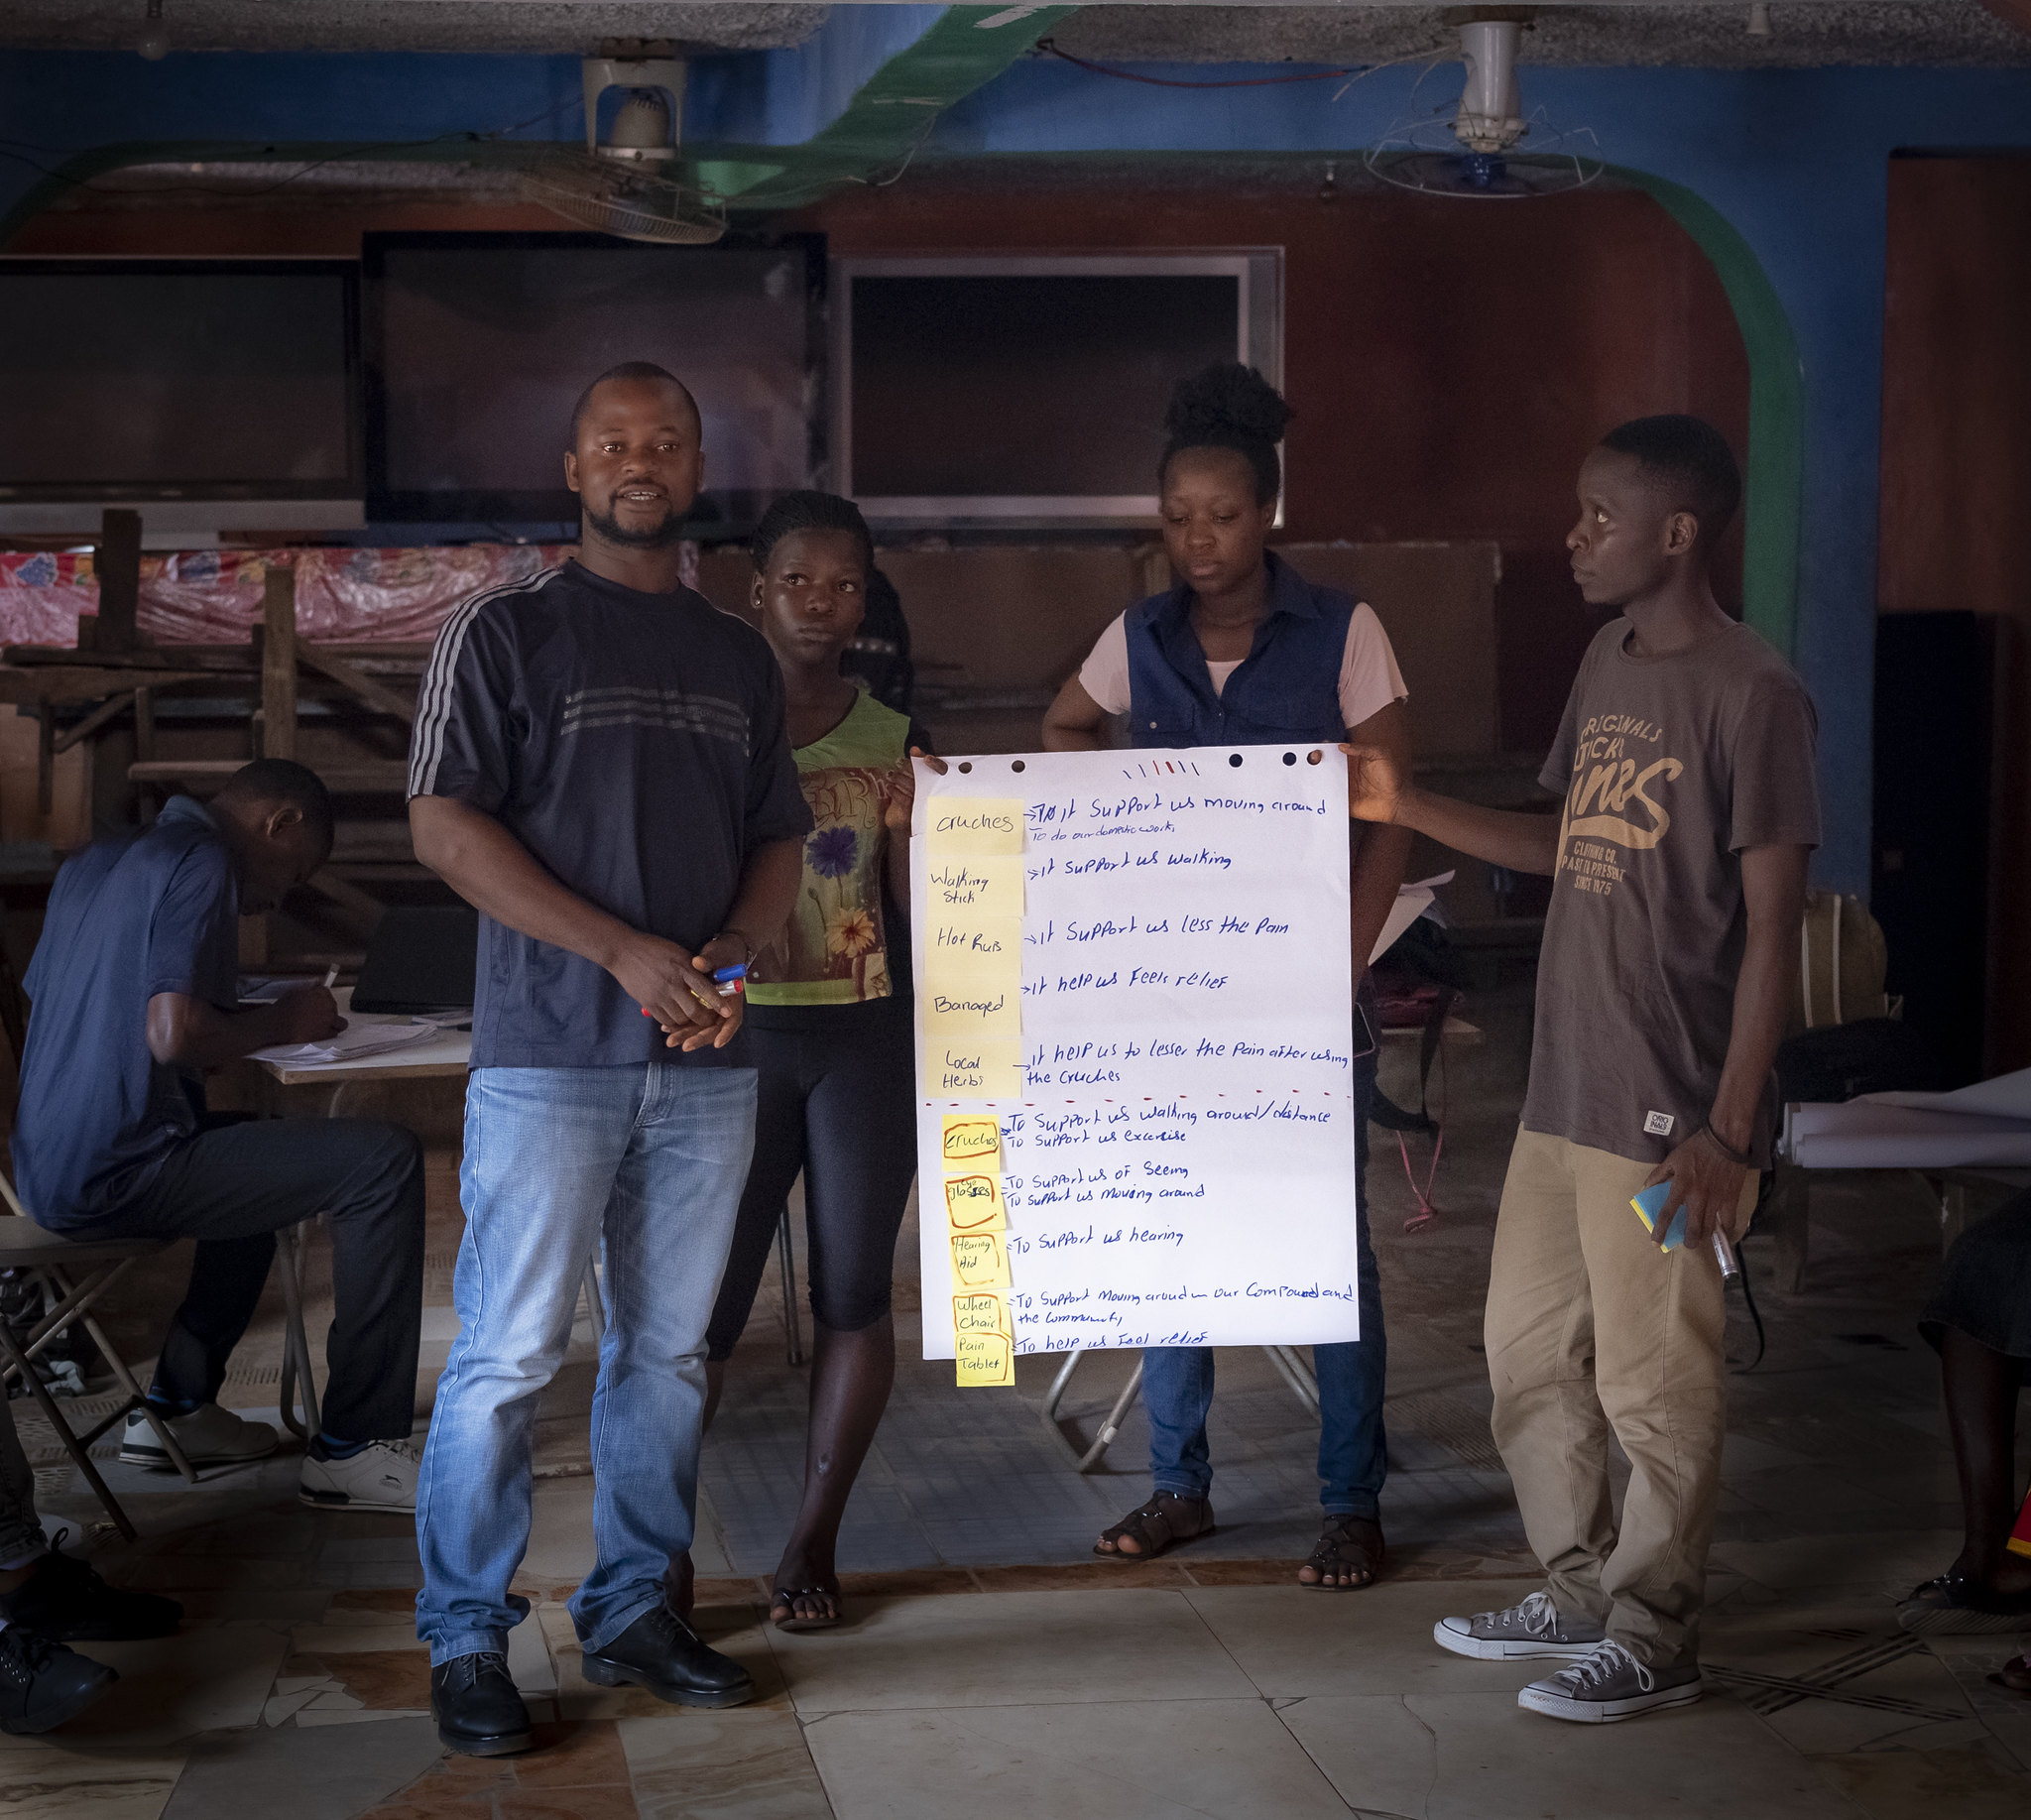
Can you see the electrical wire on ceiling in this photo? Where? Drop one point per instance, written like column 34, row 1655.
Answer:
column 1049, row 48
column 18, row 149
column 1354, row 72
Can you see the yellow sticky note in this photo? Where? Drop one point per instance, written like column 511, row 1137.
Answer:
column 980, row 1261
column 984, row 1359
column 981, row 1313
column 975, row 886
column 984, row 1068
column 976, row 825
column 970, row 1139
column 969, row 1009
column 972, row 1203
column 969, row 946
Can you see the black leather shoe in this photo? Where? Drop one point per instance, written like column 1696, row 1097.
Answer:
column 661, row 1653
column 476, row 1707
column 42, row 1683
column 66, row 1601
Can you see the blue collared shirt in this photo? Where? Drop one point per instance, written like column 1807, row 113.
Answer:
column 128, row 919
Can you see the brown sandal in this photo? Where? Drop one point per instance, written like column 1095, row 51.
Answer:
column 1346, row 1544
column 1160, row 1524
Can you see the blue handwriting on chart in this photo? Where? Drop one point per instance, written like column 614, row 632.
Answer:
column 1070, row 819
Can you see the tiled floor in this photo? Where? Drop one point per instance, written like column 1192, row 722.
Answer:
column 991, row 1666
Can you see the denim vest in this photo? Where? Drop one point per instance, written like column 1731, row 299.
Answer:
column 1287, row 688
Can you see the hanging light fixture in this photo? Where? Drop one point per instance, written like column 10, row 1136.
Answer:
column 154, row 41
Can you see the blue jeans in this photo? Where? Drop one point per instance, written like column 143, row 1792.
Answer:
column 652, row 1160
column 1177, row 1380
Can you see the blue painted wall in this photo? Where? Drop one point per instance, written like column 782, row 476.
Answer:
column 1796, row 160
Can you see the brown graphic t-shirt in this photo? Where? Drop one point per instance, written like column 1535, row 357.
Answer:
column 1670, row 766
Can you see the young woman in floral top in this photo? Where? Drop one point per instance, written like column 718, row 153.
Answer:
column 829, row 1027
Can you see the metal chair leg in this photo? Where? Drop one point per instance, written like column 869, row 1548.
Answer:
column 77, row 1304
column 792, row 1326
column 1087, row 1461
column 1302, row 1380
column 79, row 1456
column 298, row 1382
column 1289, row 1362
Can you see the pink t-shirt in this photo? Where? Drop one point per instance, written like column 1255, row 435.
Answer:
column 1369, row 678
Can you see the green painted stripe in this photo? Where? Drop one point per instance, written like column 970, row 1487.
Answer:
column 1773, row 488
column 892, row 113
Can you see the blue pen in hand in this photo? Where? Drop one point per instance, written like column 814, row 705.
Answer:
column 731, row 979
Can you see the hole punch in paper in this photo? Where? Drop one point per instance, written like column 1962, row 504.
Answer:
column 972, row 1203
column 983, row 1360
column 981, row 1313
column 989, row 1068
column 980, row 1262
column 976, row 825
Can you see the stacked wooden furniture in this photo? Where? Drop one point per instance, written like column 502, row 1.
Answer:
column 344, row 711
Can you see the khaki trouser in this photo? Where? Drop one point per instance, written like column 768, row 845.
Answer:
column 1590, row 1326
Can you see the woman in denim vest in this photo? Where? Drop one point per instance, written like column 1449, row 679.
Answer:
column 1244, row 650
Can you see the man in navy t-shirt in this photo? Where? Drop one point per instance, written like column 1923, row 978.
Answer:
column 599, row 765
column 134, row 993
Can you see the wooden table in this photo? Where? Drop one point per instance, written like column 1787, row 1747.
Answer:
column 444, row 1056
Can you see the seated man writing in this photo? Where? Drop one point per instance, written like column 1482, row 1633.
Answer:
column 135, row 997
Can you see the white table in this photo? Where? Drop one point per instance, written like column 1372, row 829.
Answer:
column 444, row 1056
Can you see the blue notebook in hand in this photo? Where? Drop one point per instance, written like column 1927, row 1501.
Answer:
column 1649, row 1204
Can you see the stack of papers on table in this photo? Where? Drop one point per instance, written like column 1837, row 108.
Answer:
column 1987, row 1124
column 362, row 1037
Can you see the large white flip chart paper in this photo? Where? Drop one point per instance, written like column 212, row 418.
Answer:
column 1135, row 1121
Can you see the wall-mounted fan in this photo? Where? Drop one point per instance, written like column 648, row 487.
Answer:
column 630, row 183
column 1486, row 147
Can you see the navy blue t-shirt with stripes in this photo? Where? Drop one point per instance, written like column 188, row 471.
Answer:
column 635, row 745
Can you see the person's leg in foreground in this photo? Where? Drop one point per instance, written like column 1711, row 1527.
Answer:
column 48, row 1598
column 653, row 1157
column 1353, row 1454
column 861, row 1119
column 1177, row 1395
column 1178, row 1391
column 1979, row 1319
column 232, row 1188
column 1591, row 1327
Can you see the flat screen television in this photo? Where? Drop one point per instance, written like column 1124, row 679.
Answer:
column 179, row 379
column 478, row 345
column 996, row 390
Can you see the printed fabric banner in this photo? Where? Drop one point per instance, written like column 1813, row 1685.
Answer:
column 1133, row 995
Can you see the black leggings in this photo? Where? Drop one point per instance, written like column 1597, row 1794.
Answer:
column 835, row 1098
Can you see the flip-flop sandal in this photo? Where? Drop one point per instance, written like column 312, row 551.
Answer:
column 787, row 1597
column 1953, row 1605
column 1157, row 1526
column 1346, row 1544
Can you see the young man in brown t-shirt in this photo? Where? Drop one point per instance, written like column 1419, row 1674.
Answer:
column 1670, row 948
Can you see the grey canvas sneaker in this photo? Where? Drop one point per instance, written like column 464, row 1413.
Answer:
column 1533, row 1629
column 1610, row 1684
